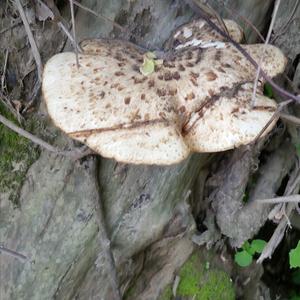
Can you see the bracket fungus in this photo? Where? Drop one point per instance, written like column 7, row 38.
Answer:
column 197, row 100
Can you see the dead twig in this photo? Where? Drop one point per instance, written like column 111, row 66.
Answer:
column 69, row 35
column 234, row 13
column 283, row 28
column 292, row 188
column 74, row 154
column 32, row 42
column 13, row 253
column 74, row 31
column 253, row 98
column 7, row 103
column 277, row 236
column 211, row 12
column 4, row 70
column 291, row 119
column 274, row 117
column 27, row 135
column 283, row 199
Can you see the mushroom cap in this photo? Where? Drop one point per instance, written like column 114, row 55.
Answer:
column 198, row 100
column 199, row 32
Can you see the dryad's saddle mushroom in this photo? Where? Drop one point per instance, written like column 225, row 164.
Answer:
column 197, row 100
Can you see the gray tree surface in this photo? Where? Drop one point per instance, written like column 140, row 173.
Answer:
column 49, row 209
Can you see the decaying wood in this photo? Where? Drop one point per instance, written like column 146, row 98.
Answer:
column 236, row 220
column 292, row 187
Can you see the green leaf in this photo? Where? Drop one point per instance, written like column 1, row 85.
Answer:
column 295, row 257
column 295, row 298
column 268, row 90
column 258, row 245
column 246, row 246
column 243, row 258
column 148, row 66
column 150, row 55
column 296, row 277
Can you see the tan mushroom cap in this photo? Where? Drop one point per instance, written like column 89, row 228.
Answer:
column 197, row 101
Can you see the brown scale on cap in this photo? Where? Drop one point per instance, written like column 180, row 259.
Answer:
column 211, row 76
column 196, row 101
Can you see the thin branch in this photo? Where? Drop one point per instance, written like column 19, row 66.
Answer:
column 69, row 35
column 99, row 16
column 32, row 42
column 279, row 89
column 234, row 12
column 7, row 103
column 276, row 237
column 282, row 30
column 283, row 199
column 253, row 99
column 213, row 13
column 74, row 31
column 292, row 188
column 13, row 253
column 4, row 70
column 27, row 135
column 289, row 118
column 273, row 118
column 74, row 154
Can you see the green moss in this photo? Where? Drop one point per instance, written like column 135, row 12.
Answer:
column 16, row 155
column 196, row 281
column 166, row 294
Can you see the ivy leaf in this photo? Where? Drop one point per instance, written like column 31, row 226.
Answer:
column 243, row 258
column 258, row 245
column 295, row 257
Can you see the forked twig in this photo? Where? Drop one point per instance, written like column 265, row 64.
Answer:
column 253, row 99
column 32, row 42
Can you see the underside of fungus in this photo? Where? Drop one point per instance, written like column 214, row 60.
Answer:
column 196, row 100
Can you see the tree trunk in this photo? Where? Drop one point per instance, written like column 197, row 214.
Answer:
column 53, row 221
